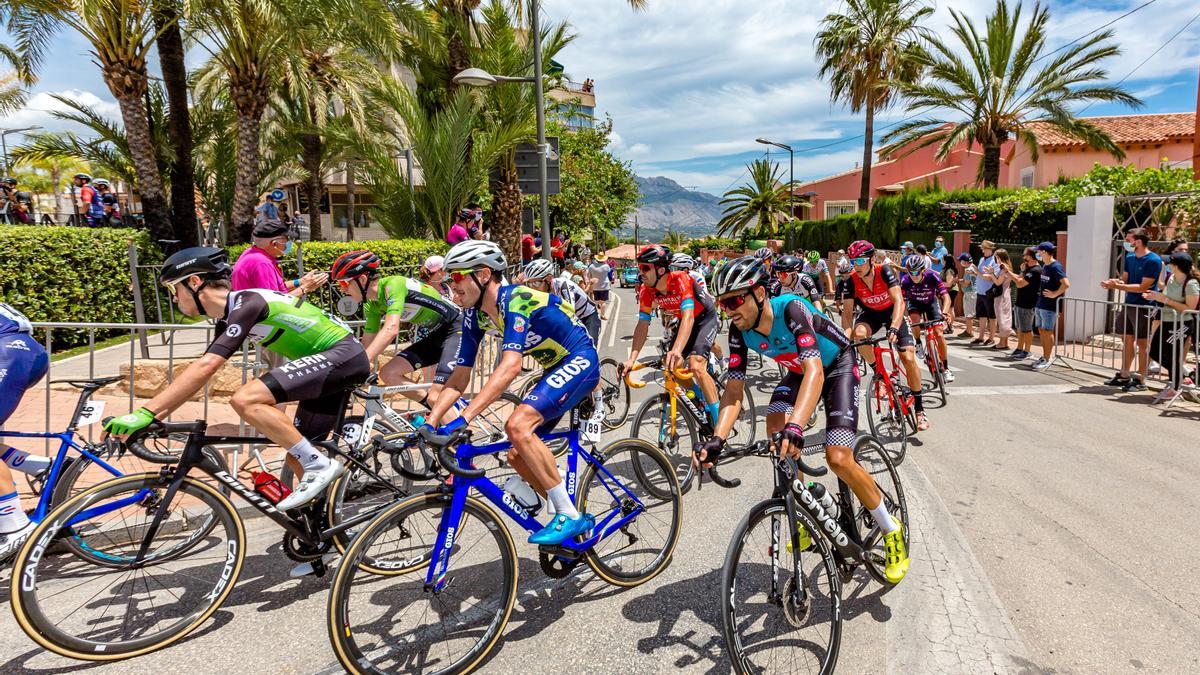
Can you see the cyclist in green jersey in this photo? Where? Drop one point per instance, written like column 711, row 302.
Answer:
column 389, row 302
column 325, row 361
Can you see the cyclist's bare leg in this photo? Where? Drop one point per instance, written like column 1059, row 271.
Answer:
column 908, row 357
column 841, row 461
column 255, row 404
column 913, row 319
column 939, row 338
column 529, row 455
column 862, row 331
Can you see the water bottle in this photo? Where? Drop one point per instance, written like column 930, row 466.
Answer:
column 523, row 494
column 270, row 487
column 824, row 499
column 417, row 421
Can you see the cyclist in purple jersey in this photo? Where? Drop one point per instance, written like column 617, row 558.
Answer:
column 928, row 300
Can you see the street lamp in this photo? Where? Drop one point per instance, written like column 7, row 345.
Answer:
column 4, row 144
column 476, row 77
column 791, row 172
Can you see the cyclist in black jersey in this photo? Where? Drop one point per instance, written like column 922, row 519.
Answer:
column 788, row 278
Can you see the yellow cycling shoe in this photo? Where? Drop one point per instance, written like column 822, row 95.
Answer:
column 803, row 537
column 897, row 554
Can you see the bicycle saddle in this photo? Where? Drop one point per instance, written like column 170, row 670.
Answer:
column 93, row 383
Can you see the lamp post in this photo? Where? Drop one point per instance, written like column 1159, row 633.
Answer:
column 477, row 77
column 4, row 144
column 791, row 173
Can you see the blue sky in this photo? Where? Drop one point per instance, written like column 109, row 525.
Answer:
column 690, row 85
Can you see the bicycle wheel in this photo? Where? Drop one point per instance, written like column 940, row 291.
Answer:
column 634, row 474
column 652, row 422
column 743, row 430
column 356, row 493
column 933, row 361
column 390, row 623
column 614, row 395
column 773, row 618
column 104, row 612
column 871, row 456
column 359, row 439
column 886, row 421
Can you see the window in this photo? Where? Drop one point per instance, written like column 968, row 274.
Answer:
column 363, row 203
column 839, row 208
column 1027, row 177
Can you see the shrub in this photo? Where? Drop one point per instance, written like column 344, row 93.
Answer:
column 406, row 254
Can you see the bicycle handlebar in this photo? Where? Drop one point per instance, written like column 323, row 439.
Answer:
column 135, row 443
column 868, row 341
column 445, row 457
column 678, row 373
column 930, row 322
column 400, row 443
column 762, row 448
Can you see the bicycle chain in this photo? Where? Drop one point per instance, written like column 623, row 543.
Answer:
column 302, row 551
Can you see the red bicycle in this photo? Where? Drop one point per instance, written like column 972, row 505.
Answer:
column 891, row 410
column 933, row 357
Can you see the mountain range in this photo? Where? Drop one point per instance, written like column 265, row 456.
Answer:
column 667, row 205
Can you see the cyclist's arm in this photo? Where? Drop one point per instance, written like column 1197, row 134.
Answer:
column 799, row 321
column 731, row 399
column 377, row 342
column 456, row 384
column 187, row 383
column 898, row 307
column 645, row 307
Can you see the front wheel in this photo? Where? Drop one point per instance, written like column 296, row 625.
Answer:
column 780, row 605
column 675, row 438
column 885, row 419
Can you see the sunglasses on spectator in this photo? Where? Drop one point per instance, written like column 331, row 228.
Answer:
column 734, row 301
column 858, row 261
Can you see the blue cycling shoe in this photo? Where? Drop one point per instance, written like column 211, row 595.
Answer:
column 561, row 529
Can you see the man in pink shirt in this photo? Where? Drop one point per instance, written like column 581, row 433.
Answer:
column 258, row 266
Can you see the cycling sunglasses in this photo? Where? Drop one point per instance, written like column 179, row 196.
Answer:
column 859, row 261
column 734, row 301
column 170, row 286
column 645, row 267
column 458, row 275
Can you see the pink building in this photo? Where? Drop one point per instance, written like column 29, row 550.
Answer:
column 1148, row 141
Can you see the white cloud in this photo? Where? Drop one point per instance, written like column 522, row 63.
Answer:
column 37, row 110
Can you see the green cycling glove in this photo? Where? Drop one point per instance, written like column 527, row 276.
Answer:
column 127, row 424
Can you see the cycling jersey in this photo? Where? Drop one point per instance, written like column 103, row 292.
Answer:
column 571, row 292
column 876, row 298
column 281, row 323
column 12, row 321
column 534, row 323
column 924, row 291
column 417, row 303
column 701, row 283
column 682, row 295
column 799, row 332
column 803, row 286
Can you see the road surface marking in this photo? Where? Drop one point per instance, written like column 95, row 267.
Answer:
column 1016, row 390
column 612, row 319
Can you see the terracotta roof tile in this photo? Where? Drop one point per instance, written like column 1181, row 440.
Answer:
column 1155, row 128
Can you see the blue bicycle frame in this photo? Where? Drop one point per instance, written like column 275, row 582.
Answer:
column 439, row 563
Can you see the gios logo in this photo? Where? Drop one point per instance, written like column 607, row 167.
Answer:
column 568, row 371
column 512, row 504
column 828, row 524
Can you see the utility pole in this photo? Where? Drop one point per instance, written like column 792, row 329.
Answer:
column 636, row 239
column 1196, row 137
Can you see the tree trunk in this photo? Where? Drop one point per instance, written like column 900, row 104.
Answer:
column 350, row 201
column 991, row 165
column 245, row 189
column 56, row 181
column 311, row 148
column 864, row 192
column 174, row 71
column 506, row 217
column 141, row 149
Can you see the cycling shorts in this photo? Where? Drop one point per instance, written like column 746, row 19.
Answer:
column 878, row 320
column 704, row 333
column 439, row 347
column 840, row 395
column 22, row 363
column 321, row 383
column 564, row 387
column 930, row 312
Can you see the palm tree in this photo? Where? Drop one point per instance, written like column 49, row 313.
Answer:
column 863, row 53
column 166, row 15
column 49, row 176
column 763, row 201
column 12, row 91
column 1000, row 88
column 121, row 33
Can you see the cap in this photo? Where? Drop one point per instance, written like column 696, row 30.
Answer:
column 276, row 195
column 965, row 257
column 578, row 265
column 1047, row 246
column 269, row 229
column 907, row 244
column 601, row 257
column 1182, row 259
column 434, row 263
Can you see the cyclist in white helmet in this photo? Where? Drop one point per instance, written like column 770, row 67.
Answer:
column 539, row 275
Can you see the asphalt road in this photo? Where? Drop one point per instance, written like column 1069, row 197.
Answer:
column 1049, row 534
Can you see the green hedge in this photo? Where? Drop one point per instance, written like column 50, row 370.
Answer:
column 319, row 255
column 71, row 274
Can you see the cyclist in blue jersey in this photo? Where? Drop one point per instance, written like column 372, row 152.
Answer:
column 821, row 366
column 530, row 323
column 22, row 363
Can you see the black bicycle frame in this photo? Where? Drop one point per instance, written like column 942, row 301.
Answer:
column 789, row 484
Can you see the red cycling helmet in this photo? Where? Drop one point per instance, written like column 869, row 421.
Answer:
column 655, row 254
column 860, row 249
column 354, row 264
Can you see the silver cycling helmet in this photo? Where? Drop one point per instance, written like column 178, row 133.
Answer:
column 740, row 275
column 475, row 253
column 539, row 269
column 682, row 261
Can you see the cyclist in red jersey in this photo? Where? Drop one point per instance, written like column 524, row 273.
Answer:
column 876, row 291
column 675, row 294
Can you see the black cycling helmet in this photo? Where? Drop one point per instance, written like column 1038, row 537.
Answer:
column 206, row 261
column 740, row 275
column 83, row 176
column 9, row 180
column 655, row 254
column 788, row 263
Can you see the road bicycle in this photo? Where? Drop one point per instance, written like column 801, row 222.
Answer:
column 933, row 357
column 891, row 410
column 449, row 618
column 790, row 554
column 676, row 421
column 170, row 547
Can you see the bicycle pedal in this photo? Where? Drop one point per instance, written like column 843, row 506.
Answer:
column 560, row 552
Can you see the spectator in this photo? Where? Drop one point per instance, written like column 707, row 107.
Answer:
column 1142, row 270
column 558, row 248
column 1054, row 284
column 459, row 231
column 578, row 275
column 985, row 300
column 433, row 272
column 529, row 249
column 950, row 276
column 93, row 210
column 108, row 201
column 258, row 266
column 1002, row 294
column 1180, row 294
column 1028, row 283
column 938, row 255
column 475, row 225
column 601, row 275
column 16, row 206
column 267, row 211
column 967, row 283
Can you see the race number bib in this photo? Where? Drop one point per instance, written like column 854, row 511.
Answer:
column 92, row 412
column 592, row 427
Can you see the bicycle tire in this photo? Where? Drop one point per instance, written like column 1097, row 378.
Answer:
column 36, row 560
column 742, row 655
column 871, row 456
column 885, row 421
column 743, row 432
column 642, row 455
column 346, row 637
column 614, row 396
column 933, row 362
column 649, row 421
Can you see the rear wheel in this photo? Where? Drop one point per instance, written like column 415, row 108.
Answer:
column 652, row 422
column 886, row 421
column 871, row 456
column 614, row 395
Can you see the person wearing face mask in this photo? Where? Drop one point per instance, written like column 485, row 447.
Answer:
column 1142, row 270
column 258, row 266
column 1180, row 295
column 1054, row 285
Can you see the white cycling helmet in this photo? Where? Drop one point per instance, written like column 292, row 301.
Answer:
column 682, row 261
column 475, row 253
column 741, row 274
column 539, row 269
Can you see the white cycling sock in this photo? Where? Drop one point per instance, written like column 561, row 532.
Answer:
column 883, row 519
column 309, row 457
column 562, row 501
column 12, row 518
column 23, row 461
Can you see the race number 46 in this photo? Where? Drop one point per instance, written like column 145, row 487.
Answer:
column 91, row 413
